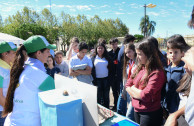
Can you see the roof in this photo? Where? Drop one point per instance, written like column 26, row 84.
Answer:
column 10, row 38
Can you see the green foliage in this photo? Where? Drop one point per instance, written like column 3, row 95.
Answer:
column 28, row 22
column 138, row 37
column 150, row 26
column 27, row 30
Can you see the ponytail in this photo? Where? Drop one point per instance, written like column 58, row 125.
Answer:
column 15, row 73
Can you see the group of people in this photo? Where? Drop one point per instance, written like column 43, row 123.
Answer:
column 149, row 87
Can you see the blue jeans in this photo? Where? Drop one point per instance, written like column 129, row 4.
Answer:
column 121, row 105
column 2, row 120
column 130, row 112
column 103, row 91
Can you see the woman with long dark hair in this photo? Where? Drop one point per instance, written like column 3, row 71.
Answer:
column 145, row 85
column 101, row 73
column 26, row 80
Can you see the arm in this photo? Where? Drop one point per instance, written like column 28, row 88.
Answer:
column 172, row 119
column 154, row 86
column 87, row 71
column 2, row 98
column 73, row 73
column 134, row 92
column 69, row 52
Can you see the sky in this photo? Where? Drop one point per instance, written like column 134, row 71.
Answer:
column 171, row 16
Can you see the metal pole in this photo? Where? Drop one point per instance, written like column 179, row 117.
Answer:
column 50, row 6
column 145, row 27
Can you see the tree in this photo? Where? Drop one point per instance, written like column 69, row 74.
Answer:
column 1, row 24
column 150, row 26
column 27, row 30
column 138, row 37
column 49, row 22
column 191, row 22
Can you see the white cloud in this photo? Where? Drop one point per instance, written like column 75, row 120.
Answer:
column 8, row 9
column 131, row 13
column 60, row 6
column 134, row 5
column 171, row 3
column 36, row 0
column 54, row 5
column 123, row 2
column 104, row 6
column 83, row 7
column 153, row 13
column 119, row 13
column 164, row 13
column 79, row 7
column 92, row 5
column 185, row 13
column 105, row 11
column 121, row 9
column 5, row 3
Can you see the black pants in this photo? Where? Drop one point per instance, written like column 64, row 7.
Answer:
column 149, row 118
column 115, row 85
column 103, row 91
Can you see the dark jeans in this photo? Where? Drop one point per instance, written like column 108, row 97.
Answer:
column 122, row 103
column 1, row 119
column 115, row 85
column 103, row 91
column 149, row 118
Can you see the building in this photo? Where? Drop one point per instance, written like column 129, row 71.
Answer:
column 189, row 39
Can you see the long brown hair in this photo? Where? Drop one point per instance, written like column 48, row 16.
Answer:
column 16, row 70
column 185, row 85
column 126, row 59
column 153, row 61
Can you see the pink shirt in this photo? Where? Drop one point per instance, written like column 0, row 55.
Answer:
column 151, row 94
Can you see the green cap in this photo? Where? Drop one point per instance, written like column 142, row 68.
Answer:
column 7, row 46
column 37, row 42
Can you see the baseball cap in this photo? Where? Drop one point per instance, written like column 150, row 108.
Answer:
column 37, row 42
column 7, row 46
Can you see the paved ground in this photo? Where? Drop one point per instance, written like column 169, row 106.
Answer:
column 111, row 99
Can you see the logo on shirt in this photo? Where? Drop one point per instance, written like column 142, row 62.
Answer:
column 18, row 101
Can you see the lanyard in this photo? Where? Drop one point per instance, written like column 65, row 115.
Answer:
column 130, row 68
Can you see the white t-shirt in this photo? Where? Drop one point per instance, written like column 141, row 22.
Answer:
column 76, row 61
column 183, row 100
column 73, row 54
column 101, row 67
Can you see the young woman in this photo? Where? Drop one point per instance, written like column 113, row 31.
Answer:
column 128, row 68
column 26, row 80
column 145, row 85
column 51, row 69
column 73, row 49
column 101, row 73
column 7, row 55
